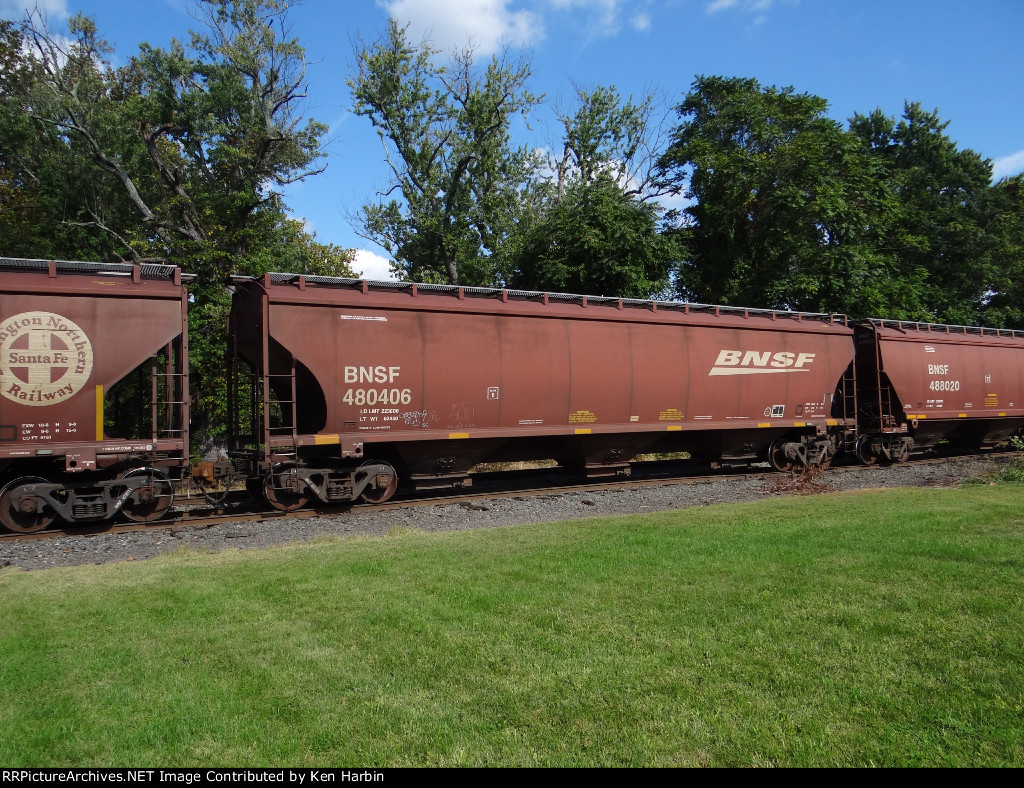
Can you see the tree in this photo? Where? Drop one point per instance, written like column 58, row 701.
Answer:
column 195, row 144
column 1003, row 304
column 944, row 226
column 47, row 187
column 446, row 133
column 610, row 138
column 594, row 228
column 596, row 239
column 785, row 205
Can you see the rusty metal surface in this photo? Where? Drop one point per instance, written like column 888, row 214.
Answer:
column 69, row 331
column 963, row 384
column 952, row 373
column 397, row 363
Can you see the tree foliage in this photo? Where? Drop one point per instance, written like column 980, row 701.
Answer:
column 595, row 239
column 789, row 210
column 608, row 137
column 182, row 151
column 1003, row 305
column 783, row 202
column 446, row 131
column 944, row 232
column 593, row 229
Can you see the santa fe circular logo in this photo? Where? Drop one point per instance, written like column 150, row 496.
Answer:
column 44, row 358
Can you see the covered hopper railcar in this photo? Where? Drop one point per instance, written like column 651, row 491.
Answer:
column 922, row 384
column 88, row 428
column 342, row 386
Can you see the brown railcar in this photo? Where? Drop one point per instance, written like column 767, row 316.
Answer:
column 337, row 383
column 921, row 384
column 88, row 429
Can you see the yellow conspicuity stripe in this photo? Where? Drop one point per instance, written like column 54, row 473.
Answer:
column 99, row 413
column 583, row 431
column 454, row 435
column 326, row 440
column 765, row 424
column 674, row 428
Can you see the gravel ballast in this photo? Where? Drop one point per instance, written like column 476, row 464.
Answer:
column 472, row 513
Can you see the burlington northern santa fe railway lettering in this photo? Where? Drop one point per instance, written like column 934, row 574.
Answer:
column 417, row 384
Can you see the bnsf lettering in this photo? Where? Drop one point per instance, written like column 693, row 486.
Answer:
column 938, row 369
column 371, row 374
column 754, row 358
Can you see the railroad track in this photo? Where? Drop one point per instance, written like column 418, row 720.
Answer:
column 491, row 486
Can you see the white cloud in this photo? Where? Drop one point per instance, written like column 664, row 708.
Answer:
column 745, row 5
column 603, row 18
column 641, row 22
column 371, row 265
column 16, row 9
column 1008, row 165
column 450, row 24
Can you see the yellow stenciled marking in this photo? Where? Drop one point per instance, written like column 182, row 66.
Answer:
column 583, row 432
column 454, row 435
column 765, row 424
column 325, row 440
column 99, row 413
column 674, row 427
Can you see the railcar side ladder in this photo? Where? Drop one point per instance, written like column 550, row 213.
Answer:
column 848, row 397
column 286, row 407
column 169, row 398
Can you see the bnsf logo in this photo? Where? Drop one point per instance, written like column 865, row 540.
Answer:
column 372, row 374
column 755, row 362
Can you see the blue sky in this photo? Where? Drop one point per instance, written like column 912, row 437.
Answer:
column 965, row 59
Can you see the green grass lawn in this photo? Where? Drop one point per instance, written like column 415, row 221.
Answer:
column 880, row 628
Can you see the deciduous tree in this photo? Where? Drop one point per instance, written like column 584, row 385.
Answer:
column 594, row 228
column 784, row 204
column 456, row 191
column 944, row 231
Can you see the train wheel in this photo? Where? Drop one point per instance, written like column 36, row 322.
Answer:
column 284, row 488
column 379, row 494
column 151, row 499
column 777, row 457
column 864, row 453
column 24, row 514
